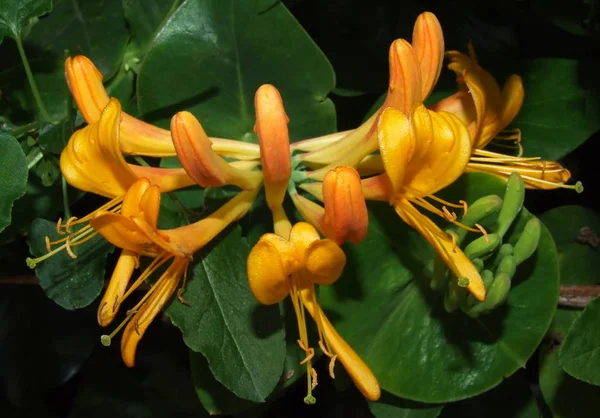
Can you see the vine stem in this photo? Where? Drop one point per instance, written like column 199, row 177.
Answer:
column 35, row 160
column 32, row 84
column 65, row 196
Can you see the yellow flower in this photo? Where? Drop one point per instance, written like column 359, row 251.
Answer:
column 278, row 267
column 92, row 162
column 137, row 137
column 488, row 110
column 423, row 152
column 135, row 231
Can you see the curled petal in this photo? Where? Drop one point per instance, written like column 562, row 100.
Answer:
column 302, row 235
column 273, row 137
column 111, row 300
column 428, row 43
column 138, row 137
column 197, row 157
column 324, row 261
column 513, row 95
column 346, row 216
column 269, row 264
column 141, row 320
column 92, row 160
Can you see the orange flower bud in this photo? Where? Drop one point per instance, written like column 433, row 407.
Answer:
column 346, row 216
column 201, row 163
column 271, row 128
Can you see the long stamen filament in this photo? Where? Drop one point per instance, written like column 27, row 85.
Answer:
column 154, row 265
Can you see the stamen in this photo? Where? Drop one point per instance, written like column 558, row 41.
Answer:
column 448, row 215
column 484, row 232
column 182, row 289
column 156, row 263
column 465, row 207
column 309, row 351
column 70, row 223
column 48, row 243
column 58, row 227
column 453, row 236
column 313, row 375
column 68, row 247
column 332, row 358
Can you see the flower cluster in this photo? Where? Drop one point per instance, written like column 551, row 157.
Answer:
column 403, row 154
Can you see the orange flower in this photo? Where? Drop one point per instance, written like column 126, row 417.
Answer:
column 137, row 137
column 487, row 111
column 278, row 267
column 135, row 231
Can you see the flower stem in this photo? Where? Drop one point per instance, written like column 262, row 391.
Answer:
column 32, row 84
column 35, row 160
column 65, row 196
column 25, row 129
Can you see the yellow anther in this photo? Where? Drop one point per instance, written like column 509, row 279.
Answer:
column 465, row 207
column 484, row 232
column 309, row 351
column 68, row 248
column 58, row 227
column 313, row 375
column 48, row 243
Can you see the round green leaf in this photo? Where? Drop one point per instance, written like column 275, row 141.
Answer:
column 211, row 56
column 384, row 308
column 145, row 17
column 566, row 396
column 578, row 262
column 513, row 398
column 242, row 340
column 580, row 351
column 559, row 113
column 73, row 283
column 13, row 176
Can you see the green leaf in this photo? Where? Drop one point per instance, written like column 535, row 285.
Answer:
column 578, row 262
column 95, row 29
column 242, row 340
column 73, row 283
column 215, row 397
column 559, row 113
column 211, row 56
column 145, row 18
column 580, row 351
column 15, row 15
column 512, row 398
column 13, row 176
column 390, row 406
column 566, row 396
column 385, row 310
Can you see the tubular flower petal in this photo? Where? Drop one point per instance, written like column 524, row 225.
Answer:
column 414, row 70
column 487, row 110
column 278, row 267
column 428, row 41
column 137, row 137
column 423, row 153
column 206, row 167
column 136, row 232
column 271, row 128
column 346, row 216
column 92, row 160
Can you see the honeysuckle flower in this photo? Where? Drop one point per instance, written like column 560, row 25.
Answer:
column 405, row 90
column 487, row 110
column 135, row 231
column 92, row 162
column 137, row 137
column 291, row 266
column 201, row 162
column 423, row 152
column 344, row 217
